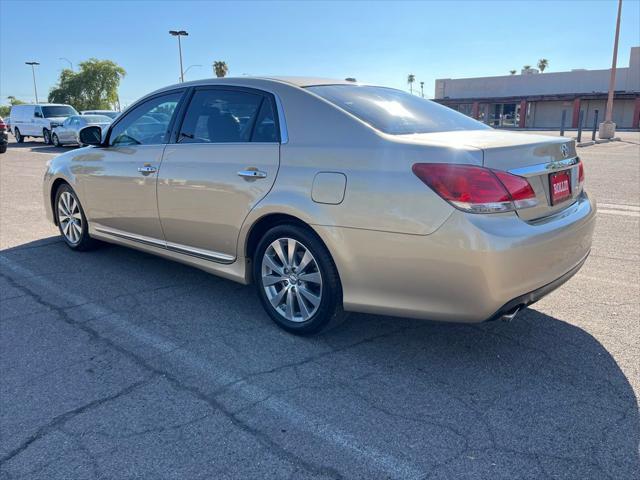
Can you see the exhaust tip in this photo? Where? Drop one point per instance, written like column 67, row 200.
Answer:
column 507, row 317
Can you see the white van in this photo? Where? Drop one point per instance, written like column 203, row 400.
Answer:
column 38, row 120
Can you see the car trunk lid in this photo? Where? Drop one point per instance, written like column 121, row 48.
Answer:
column 535, row 157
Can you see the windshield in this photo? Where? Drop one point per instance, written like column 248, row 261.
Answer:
column 97, row 119
column 58, row 111
column 394, row 111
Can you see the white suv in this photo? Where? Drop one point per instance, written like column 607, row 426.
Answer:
column 38, row 120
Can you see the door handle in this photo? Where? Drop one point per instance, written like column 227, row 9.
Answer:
column 147, row 169
column 250, row 173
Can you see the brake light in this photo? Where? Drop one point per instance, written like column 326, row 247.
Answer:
column 580, row 172
column 476, row 189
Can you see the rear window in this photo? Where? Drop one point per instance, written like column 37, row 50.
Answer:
column 394, row 111
column 58, row 111
column 97, row 118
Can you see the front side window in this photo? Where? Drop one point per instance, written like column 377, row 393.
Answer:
column 58, row 111
column 148, row 123
column 221, row 116
column 394, row 111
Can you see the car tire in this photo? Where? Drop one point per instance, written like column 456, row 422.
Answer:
column 56, row 140
column 297, row 280
column 46, row 136
column 18, row 135
column 3, row 148
column 71, row 219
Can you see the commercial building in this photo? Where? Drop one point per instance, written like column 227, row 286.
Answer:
column 501, row 101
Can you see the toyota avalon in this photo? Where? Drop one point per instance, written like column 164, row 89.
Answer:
column 331, row 196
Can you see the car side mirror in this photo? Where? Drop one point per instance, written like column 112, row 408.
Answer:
column 38, row 115
column 91, row 135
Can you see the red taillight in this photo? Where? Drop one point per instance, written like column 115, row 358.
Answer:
column 580, row 172
column 476, row 189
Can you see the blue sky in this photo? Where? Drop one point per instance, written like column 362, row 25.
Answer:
column 377, row 42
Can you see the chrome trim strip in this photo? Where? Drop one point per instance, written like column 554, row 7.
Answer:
column 540, row 168
column 131, row 236
column 174, row 247
column 200, row 253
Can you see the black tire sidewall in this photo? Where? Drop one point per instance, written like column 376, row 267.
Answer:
column 18, row 135
column 46, row 133
column 86, row 241
column 55, row 140
column 331, row 302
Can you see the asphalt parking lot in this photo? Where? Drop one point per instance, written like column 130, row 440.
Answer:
column 117, row 365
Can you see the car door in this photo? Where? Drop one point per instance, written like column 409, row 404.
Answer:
column 119, row 180
column 224, row 161
column 78, row 124
column 63, row 131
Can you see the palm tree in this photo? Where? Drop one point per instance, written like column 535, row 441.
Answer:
column 512, row 72
column 527, row 67
column 410, row 79
column 543, row 63
column 220, row 68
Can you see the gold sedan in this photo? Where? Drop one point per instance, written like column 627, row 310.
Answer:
column 331, row 196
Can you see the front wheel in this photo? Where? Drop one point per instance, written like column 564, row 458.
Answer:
column 72, row 222
column 46, row 135
column 56, row 140
column 296, row 279
column 18, row 135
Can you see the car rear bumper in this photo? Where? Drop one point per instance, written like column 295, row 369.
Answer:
column 469, row 270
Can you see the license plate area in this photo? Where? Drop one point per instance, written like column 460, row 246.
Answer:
column 560, row 186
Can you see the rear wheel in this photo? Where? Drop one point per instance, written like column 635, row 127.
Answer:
column 46, row 135
column 18, row 135
column 296, row 279
column 72, row 222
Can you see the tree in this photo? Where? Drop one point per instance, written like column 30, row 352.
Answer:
column 527, row 67
column 93, row 87
column 543, row 63
column 220, row 68
column 512, row 72
column 410, row 79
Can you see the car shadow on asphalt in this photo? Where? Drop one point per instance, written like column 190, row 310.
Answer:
column 538, row 389
column 39, row 147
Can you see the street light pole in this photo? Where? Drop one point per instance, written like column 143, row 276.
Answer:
column 33, row 72
column 68, row 61
column 608, row 128
column 179, row 33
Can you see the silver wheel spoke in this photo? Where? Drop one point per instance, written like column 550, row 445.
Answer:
column 272, row 279
column 296, row 294
column 291, row 250
column 314, row 299
column 304, row 311
column 273, row 265
column 311, row 277
column 277, row 247
column 275, row 300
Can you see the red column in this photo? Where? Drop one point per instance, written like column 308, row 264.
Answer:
column 475, row 108
column 523, row 114
column 636, row 114
column 576, row 113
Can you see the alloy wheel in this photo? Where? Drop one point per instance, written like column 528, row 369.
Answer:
column 56, row 140
column 291, row 279
column 69, row 217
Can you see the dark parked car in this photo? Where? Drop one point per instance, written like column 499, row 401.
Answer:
column 4, row 136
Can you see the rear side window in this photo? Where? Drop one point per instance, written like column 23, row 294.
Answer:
column 227, row 116
column 148, row 123
column 394, row 111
